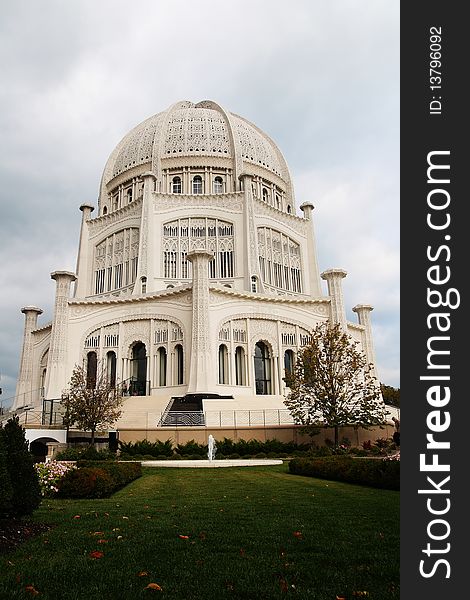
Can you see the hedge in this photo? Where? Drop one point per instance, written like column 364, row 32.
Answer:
column 364, row 471
column 98, row 479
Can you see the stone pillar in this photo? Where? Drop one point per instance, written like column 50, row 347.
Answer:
column 335, row 291
column 25, row 395
column 201, row 371
column 363, row 313
column 312, row 265
column 57, row 376
column 84, row 256
column 250, row 237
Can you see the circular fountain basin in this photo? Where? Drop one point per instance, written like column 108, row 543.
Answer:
column 238, row 462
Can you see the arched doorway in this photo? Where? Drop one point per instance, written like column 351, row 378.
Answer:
column 138, row 383
column 262, row 369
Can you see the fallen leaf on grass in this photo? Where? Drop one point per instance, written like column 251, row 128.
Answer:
column 125, row 517
column 242, row 552
column 77, row 517
column 96, row 554
column 31, row 590
column 283, row 585
column 153, row 586
column 340, row 597
column 102, row 541
column 142, row 574
column 297, row 534
column 183, row 537
column 202, row 535
column 360, row 594
column 100, row 533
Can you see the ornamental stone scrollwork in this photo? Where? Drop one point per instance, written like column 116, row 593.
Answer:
column 128, row 215
column 296, row 224
column 230, row 202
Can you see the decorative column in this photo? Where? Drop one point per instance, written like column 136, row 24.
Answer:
column 363, row 313
column 83, row 258
column 24, row 387
column 335, row 291
column 146, row 236
column 201, row 370
column 250, row 235
column 312, row 264
column 57, row 374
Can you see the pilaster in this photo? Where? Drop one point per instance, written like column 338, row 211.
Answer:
column 201, row 372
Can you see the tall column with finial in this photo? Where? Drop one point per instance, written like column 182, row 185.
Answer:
column 57, row 377
column 363, row 313
column 83, row 258
column 312, row 274
column 201, row 370
column 335, row 291
column 26, row 394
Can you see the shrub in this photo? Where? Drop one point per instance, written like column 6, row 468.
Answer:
column 6, row 489
column 144, row 447
column 85, row 453
column 26, row 495
column 86, row 482
column 50, row 474
column 372, row 472
column 98, row 479
column 192, row 447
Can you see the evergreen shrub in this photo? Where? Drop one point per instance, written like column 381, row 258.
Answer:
column 26, row 493
column 364, row 471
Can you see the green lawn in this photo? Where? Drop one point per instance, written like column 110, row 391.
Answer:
column 254, row 533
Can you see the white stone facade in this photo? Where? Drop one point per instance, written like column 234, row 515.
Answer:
column 196, row 276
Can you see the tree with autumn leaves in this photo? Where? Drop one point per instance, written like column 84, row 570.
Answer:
column 332, row 384
column 91, row 404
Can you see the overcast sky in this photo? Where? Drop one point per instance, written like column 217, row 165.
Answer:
column 321, row 78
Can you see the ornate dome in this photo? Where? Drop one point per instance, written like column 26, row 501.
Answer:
column 195, row 134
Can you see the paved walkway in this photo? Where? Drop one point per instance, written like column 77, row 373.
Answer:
column 239, row 462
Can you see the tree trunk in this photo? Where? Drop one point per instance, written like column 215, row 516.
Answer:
column 336, row 435
column 93, row 437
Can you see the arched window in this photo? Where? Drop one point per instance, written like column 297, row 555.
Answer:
column 105, row 210
column 254, row 284
column 289, row 362
column 138, row 386
column 176, row 186
column 91, row 366
column 143, row 285
column 197, row 184
column 265, row 195
column 289, row 209
column 262, row 369
column 111, row 368
column 179, row 364
column 223, row 364
column 240, row 369
column 278, row 201
column 218, row 185
column 161, row 362
column 129, row 195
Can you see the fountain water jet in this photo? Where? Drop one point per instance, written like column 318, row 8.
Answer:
column 212, row 448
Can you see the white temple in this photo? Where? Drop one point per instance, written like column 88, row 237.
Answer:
column 196, row 281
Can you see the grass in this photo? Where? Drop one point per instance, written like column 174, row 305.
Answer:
column 254, row 533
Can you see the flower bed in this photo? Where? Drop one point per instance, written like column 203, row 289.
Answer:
column 50, row 475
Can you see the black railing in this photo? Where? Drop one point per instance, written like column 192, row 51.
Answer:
column 135, row 387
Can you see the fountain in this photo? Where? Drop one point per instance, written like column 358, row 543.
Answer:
column 212, row 448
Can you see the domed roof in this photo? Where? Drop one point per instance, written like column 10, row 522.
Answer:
column 196, row 130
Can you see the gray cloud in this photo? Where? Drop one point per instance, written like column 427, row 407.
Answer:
column 320, row 78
